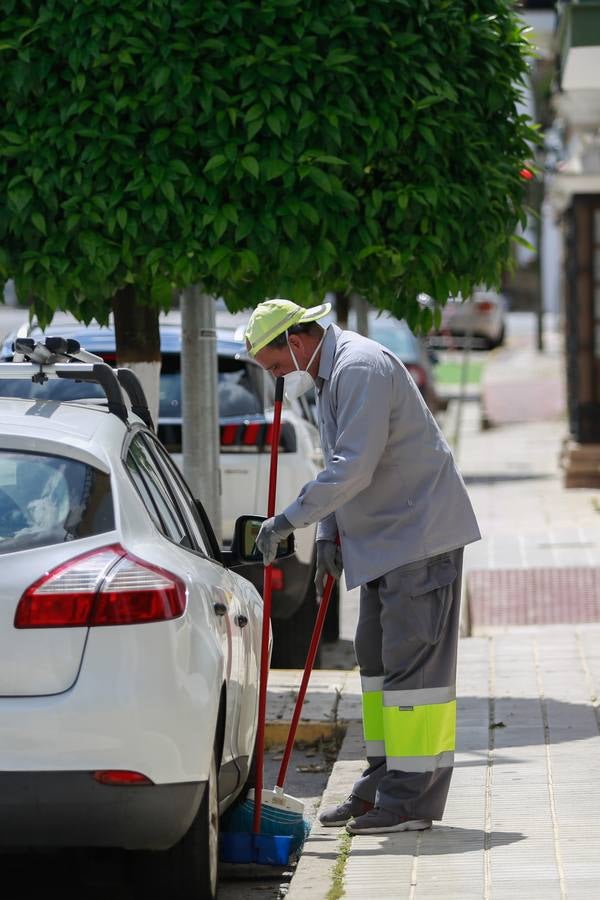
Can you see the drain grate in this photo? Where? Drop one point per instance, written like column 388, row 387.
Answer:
column 498, row 597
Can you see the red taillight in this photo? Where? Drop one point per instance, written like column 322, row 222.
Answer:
column 277, row 579
column 256, row 437
column 228, row 434
column 417, row 373
column 122, row 777
column 104, row 587
column 252, row 434
column 485, row 306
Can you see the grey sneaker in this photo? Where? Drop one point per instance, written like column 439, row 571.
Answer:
column 381, row 821
column 339, row 815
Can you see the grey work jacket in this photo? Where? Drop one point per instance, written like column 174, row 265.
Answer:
column 390, row 486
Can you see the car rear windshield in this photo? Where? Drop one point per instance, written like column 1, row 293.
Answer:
column 48, row 500
column 238, row 388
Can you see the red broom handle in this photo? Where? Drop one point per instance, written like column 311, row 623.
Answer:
column 266, row 622
column 308, row 667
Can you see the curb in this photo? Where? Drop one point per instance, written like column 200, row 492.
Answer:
column 313, row 878
column 276, row 732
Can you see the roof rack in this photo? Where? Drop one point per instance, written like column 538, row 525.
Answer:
column 58, row 357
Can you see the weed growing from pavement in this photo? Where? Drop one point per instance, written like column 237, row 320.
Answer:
column 336, row 891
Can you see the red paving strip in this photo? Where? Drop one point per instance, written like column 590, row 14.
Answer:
column 549, row 596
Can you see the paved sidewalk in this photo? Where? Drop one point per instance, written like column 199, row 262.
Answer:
column 523, row 815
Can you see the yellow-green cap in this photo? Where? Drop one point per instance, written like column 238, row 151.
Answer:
column 273, row 317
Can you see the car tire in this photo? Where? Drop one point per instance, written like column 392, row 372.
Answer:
column 291, row 637
column 190, row 869
column 501, row 337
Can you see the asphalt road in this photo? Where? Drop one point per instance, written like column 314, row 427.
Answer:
column 101, row 874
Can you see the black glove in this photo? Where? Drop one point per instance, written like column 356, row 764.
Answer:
column 329, row 562
column 271, row 532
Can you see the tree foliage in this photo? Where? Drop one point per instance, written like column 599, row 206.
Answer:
column 261, row 147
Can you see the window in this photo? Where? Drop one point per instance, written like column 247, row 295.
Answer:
column 203, row 539
column 155, row 494
column 47, row 500
column 54, row 389
column 239, row 387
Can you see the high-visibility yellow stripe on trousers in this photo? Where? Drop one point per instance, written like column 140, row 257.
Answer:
column 419, row 729
column 372, row 712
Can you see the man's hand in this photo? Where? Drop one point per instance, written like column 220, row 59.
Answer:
column 329, row 562
column 271, row 532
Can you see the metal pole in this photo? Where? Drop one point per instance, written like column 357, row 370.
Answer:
column 199, row 373
column 463, row 391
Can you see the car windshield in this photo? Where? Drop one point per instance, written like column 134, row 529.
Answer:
column 48, row 500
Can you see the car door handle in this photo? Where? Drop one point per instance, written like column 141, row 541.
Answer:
column 242, row 621
column 220, row 609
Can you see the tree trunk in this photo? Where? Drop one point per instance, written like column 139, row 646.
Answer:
column 342, row 307
column 138, row 342
column 199, row 372
column 361, row 308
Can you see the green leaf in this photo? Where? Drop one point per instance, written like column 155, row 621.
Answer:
column 250, row 164
column 177, row 165
column 250, row 261
column 310, row 213
column 307, row 119
column 219, row 225
column 230, row 213
column 331, row 160
column 427, row 133
column 12, row 136
column 39, row 222
column 217, row 255
column 320, row 179
column 214, row 162
column 168, row 190
column 122, row 217
column 254, row 128
column 273, row 168
column 161, row 76
column 256, row 111
column 274, row 124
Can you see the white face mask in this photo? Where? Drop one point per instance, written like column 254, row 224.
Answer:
column 299, row 382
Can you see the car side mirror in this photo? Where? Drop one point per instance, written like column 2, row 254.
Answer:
column 243, row 546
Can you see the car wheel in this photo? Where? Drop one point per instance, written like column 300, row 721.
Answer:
column 501, row 337
column 291, row 637
column 190, row 869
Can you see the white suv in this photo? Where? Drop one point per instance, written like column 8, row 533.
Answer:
column 129, row 648
column 246, row 396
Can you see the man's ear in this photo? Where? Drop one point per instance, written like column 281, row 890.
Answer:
column 295, row 342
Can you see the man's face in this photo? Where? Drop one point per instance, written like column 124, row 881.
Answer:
column 278, row 361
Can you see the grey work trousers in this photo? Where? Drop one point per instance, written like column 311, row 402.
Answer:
column 410, row 638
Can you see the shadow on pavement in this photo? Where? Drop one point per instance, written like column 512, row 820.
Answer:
column 441, row 840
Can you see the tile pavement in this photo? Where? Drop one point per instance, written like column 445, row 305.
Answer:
column 523, row 809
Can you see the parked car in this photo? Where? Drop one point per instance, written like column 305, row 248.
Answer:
column 246, row 396
column 420, row 361
column 481, row 319
column 130, row 647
